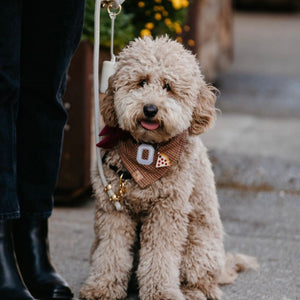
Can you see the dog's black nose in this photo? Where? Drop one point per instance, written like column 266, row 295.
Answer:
column 150, row 110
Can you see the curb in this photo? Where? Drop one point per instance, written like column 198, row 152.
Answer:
column 255, row 172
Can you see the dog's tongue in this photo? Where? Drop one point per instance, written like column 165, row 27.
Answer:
column 150, row 125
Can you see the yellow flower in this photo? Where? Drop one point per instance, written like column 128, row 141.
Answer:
column 149, row 25
column 177, row 27
column 191, row 43
column 165, row 13
column 141, row 4
column 186, row 28
column 168, row 22
column 179, row 39
column 157, row 16
column 185, row 3
column 158, row 1
column 158, row 8
column 176, row 4
column 145, row 32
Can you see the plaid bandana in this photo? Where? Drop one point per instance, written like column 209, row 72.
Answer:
column 148, row 163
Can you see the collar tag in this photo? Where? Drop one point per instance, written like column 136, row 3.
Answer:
column 145, row 154
column 162, row 161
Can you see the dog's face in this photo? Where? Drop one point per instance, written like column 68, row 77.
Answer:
column 158, row 92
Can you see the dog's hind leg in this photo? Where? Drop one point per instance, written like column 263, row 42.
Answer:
column 111, row 260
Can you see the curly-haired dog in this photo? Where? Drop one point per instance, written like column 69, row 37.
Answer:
column 159, row 99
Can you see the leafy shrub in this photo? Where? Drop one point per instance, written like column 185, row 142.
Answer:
column 138, row 18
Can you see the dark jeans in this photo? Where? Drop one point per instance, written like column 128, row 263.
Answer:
column 37, row 41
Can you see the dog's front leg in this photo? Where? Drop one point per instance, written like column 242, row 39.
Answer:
column 163, row 234
column 111, row 259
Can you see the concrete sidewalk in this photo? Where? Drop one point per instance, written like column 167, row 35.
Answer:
column 256, row 153
column 256, row 140
column 255, row 150
column 262, row 224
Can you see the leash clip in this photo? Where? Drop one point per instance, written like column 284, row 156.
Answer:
column 117, row 198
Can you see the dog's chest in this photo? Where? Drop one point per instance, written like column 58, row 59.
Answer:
column 139, row 201
column 178, row 181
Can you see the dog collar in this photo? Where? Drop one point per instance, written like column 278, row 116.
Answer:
column 149, row 162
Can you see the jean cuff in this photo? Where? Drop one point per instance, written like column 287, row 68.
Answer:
column 10, row 216
column 36, row 215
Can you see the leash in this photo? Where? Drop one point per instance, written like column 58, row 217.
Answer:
column 114, row 8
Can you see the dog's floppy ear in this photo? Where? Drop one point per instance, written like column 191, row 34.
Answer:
column 205, row 112
column 108, row 107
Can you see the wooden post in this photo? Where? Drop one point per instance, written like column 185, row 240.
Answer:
column 211, row 30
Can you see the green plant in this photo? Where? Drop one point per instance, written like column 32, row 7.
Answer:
column 138, row 18
column 158, row 17
column 124, row 29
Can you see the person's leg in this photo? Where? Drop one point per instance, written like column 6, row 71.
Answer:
column 10, row 42
column 11, row 284
column 50, row 34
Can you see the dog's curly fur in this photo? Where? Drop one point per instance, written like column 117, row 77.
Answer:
column 181, row 252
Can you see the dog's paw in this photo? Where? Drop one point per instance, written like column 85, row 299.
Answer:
column 168, row 295
column 202, row 292
column 213, row 292
column 193, row 294
column 102, row 291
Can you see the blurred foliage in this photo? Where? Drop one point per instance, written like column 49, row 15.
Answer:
column 124, row 29
column 138, row 18
column 157, row 17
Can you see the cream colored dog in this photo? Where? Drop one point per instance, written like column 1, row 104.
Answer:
column 159, row 99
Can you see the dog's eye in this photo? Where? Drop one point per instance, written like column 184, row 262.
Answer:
column 167, row 87
column 142, row 82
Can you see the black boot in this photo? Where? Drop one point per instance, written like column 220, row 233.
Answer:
column 32, row 251
column 11, row 284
